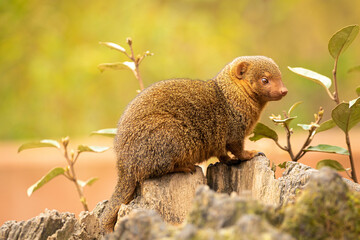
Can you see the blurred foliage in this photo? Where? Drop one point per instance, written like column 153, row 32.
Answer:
column 50, row 84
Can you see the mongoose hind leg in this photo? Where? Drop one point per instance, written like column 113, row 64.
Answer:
column 190, row 168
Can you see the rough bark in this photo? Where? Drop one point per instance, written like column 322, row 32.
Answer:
column 255, row 179
column 52, row 224
column 171, row 195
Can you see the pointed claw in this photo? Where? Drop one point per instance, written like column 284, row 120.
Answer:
column 260, row 154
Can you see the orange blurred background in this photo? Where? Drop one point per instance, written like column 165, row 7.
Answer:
column 20, row 171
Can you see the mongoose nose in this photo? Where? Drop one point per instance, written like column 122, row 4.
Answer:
column 284, row 91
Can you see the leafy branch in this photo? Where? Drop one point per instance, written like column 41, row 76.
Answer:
column 263, row 131
column 344, row 115
column 133, row 64
column 69, row 172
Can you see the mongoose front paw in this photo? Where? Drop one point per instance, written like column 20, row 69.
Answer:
column 230, row 160
column 247, row 155
column 233, row 162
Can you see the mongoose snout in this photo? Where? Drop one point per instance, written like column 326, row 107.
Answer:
column 174, row 124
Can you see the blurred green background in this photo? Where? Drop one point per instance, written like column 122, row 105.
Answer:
column 51, row 87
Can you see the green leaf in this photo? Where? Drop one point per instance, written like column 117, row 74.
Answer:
column 346, row 117
column 263, row 131
column 286, row 120
column 330, row 163
column 305, row 126
column 293, row 107
column 96, row 149
column 113, row 46
column 89, row 182
column 314, row 76
column 39, row 144
column 354, row 102
column 358, row 91
column 117, row 66
column 50, row 175
column 282, row 165
column 107, row 132
column 327, row 149
column 148, row 53
column 308, row 127
column 273, row 167
column 342, row 39
column 354, row 69
column 326, row 126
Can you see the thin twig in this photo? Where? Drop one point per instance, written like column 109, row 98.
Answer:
column 336, row 93
column 66, row 154
column 140, row 59
column 77, row 156
column 137, row 63
column 353, row 173
column 288, row 135
column 330, row 94
column 302, row 154
column 311, row 135
column 66, row 174
column 306, row 143
column 347, row 173
column 138, row 76
column 281, row 147
column 72, row 175
column 79, row 189
column 337, row 100
column 132, row 50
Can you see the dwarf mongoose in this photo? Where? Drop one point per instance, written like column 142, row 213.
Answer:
column 174, row 124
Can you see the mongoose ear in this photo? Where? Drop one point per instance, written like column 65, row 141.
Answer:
column 240, row 69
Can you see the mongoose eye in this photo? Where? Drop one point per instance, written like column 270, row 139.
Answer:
column 264, row 80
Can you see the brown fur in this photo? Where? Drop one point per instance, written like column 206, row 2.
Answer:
column 175, row 124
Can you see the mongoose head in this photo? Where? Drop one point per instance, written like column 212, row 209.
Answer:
column 259, row 76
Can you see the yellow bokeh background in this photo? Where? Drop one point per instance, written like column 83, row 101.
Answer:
column 51, row 87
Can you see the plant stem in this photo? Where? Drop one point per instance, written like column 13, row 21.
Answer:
column 330, row 95
column 288, row 135
column 281, row 147
column 138, row 76
column 336, row 93
column 72, row 176
column 66, row 155
column 78, row 188
column 337, row 100
column 347, row 173
column 137, row 62
column 311, row 135
column 306, row 143
column 308, row 140
column 353, row 173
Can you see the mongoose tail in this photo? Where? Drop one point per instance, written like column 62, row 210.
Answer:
column 123, row 194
